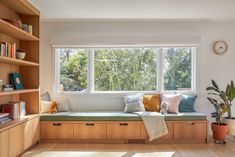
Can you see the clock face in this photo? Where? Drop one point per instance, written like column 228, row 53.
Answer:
column 220, row 47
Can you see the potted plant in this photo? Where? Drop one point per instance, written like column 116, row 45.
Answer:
column 227, row 98
column 219, row 128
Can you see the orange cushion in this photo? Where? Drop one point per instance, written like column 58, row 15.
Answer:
column 152, row 102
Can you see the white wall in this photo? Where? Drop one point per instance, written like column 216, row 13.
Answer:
column 208, row 65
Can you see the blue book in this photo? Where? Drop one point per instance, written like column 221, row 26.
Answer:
column 16, row 80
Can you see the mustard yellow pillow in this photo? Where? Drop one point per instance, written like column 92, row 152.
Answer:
column 152, row 102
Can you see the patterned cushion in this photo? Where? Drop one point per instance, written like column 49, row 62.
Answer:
column 152, row 102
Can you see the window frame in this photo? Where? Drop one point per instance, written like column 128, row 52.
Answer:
column 91, row 71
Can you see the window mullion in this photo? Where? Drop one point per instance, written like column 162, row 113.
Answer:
column 160, row 70
column 91, row 71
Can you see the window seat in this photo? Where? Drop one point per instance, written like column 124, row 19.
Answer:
column 115, row 116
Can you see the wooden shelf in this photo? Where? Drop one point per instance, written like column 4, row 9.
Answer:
column 16, row 122
column 18, row 92
column 14, row 61
column 15, row 32
column 21, row 7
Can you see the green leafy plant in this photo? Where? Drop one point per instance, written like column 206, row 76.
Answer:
column 220, row 109
column 226, row 96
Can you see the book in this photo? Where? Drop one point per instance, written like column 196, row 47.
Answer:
column 4, row 115
column 22, row 109
column 4, row 120
column 12, row 108
column 16, row 80
column 8, row 49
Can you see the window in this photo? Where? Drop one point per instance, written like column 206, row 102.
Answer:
column 124, row 69
column 177, row 65
column 72, row 68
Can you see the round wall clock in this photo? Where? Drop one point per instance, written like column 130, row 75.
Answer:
column 220, row 47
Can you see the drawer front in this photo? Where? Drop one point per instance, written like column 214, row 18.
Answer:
column 190, row 130
column 57, row 131
column 170, row 127
column 123, row 130
column 90, row 131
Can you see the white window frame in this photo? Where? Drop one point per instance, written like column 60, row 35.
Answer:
column 91, row 70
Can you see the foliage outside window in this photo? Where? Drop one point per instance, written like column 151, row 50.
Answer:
column 124, row 69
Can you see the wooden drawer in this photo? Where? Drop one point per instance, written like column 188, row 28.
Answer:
column 123, row 130
column 57, row 131
column 190, row 130
column 90, row 131
column 169, row 136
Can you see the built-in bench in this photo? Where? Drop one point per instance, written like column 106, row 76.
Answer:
column 112, row 126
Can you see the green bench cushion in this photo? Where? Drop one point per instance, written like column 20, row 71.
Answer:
column 115, row 116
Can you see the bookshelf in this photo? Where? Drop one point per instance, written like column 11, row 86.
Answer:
column 15, row 32
column 25, row 128
column 13, row 61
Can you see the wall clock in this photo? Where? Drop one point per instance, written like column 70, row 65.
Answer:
column 220, row 47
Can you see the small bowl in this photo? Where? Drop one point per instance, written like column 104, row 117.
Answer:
column 20, row 55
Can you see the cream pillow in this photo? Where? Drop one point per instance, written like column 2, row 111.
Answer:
column 172, row 102
column 134, row 103
column 45, row 106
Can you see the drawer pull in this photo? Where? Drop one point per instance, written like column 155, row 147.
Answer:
column 123, row 124
column 191, row 123
column 57, row 124
column 90, row 124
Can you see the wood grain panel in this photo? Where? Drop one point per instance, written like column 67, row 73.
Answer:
column 57, row 131
column 16, row 140
column 190, row 130
column 123, row 130
column 32, row 102
column 4, row 136
column 90, row 131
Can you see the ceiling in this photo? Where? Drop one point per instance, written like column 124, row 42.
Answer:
column 150, row 10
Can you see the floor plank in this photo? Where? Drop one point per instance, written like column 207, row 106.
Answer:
column 132, row 150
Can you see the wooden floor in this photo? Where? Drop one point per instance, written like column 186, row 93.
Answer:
column 133, row 150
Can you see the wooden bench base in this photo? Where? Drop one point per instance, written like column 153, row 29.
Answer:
column 121, row 131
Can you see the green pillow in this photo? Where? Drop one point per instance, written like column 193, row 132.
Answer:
column 187, row 103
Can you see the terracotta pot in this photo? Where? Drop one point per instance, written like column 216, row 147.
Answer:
column 219, row 131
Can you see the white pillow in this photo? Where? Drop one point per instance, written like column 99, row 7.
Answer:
column 63, row 105
column 45, row 106
column 134, row 103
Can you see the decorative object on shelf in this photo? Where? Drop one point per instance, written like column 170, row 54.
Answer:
column 28, row 28
column 8, row 87
column 8, row 49
column 1, row 85
column 226, row 97
column 16, row 80
column 20, row 54
column 22, row 109
column 220, row 47
column 14, row 22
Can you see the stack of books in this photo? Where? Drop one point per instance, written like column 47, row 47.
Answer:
column 12, row 109
column 4, row 117
column 8, row 49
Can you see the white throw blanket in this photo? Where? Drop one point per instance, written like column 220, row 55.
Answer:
column 154, row 123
